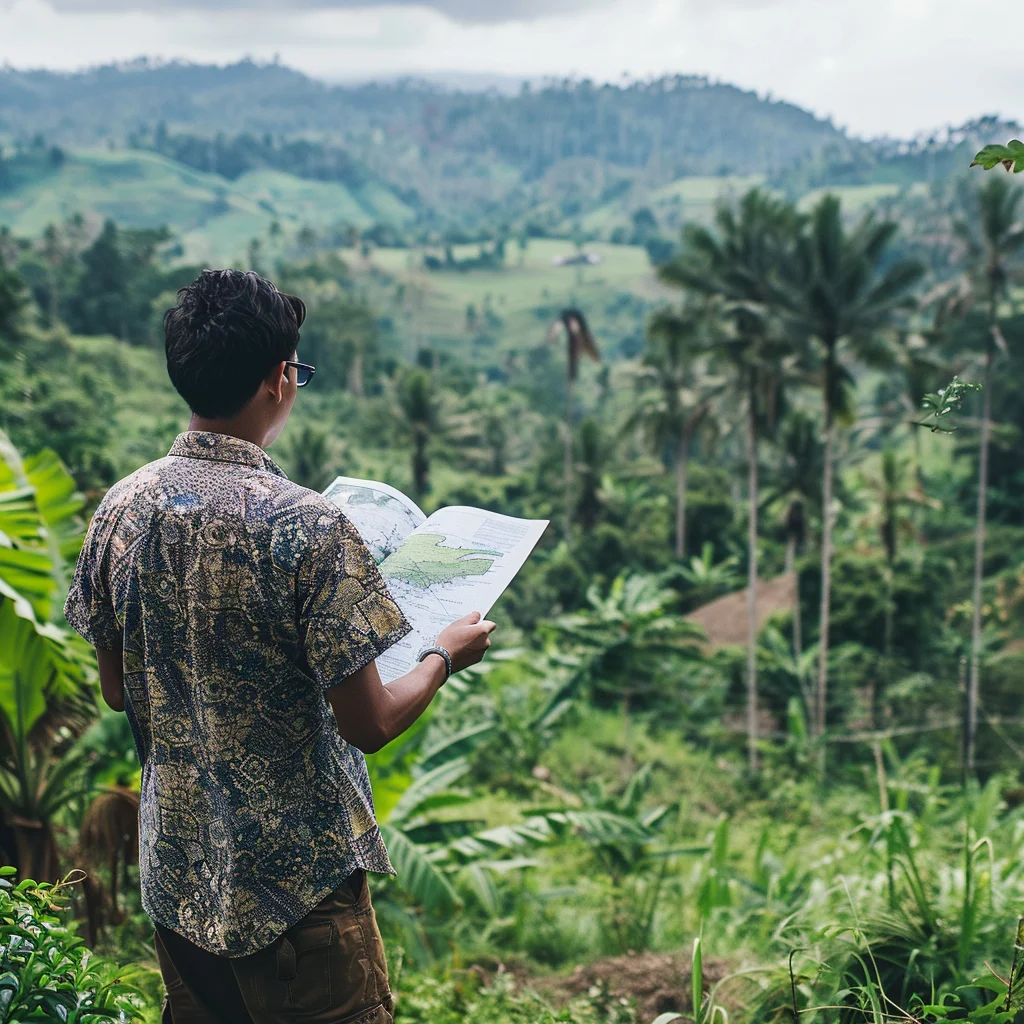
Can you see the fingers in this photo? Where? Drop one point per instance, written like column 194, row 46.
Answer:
column 468, row 639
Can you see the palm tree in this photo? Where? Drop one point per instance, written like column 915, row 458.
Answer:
column 310, row 456
column 993, row 236
column 795, row 490
column 594, row 453
column 736, row 266
column 891, row 484
column 53, row 249
column 572, row 324
column 843, row 297
column 419, row 414
column 12, row 301
column 681, row 399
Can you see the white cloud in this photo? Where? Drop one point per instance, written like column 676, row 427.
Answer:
column 463, row 10
column 875, row 66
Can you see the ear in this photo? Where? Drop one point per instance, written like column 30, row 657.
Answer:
column 275, row 382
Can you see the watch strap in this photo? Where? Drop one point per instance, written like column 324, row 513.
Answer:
column 441, row 652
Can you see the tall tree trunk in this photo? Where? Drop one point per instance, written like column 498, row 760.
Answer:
column 979, row 562
column 420, row 466
column 821, row 696
column 36, row 850
column 752, row 582
column 626, row 722
column 682, row 465
column 568, row 457
column 790, row 567
column 355, row 373
column 882, row 682
column 54, row 297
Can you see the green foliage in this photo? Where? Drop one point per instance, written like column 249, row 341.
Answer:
column 1011, row 156
column 463, row 997
column 419, row 418
column 12, row 300
column 629, row 640
column 46, row 972
column 944, row 402
column 43, row 665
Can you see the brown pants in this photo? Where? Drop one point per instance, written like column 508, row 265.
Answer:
column 327, row 969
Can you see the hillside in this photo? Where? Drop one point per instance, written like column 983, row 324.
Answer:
column 463, row 157
column 685, row 122
column 559, row 158
column 213, row 218
column 449, row 207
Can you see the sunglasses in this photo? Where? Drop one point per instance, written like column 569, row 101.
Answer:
column 303, row 373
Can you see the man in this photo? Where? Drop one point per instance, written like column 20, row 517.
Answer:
column 237, row 618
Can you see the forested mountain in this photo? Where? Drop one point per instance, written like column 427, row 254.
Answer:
column 542, row 159
column 681, row 124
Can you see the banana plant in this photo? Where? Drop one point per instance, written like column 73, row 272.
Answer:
column 627, row 637
column 44, row 667
column 437, row 858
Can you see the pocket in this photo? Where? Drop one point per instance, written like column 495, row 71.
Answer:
column 293, row 977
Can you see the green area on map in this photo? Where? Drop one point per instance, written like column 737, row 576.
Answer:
column 424, row 561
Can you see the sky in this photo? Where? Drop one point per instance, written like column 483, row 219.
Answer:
column 876, row 67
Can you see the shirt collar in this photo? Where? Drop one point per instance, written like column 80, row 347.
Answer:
column 203, row 444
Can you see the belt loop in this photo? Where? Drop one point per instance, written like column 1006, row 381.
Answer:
column 286, row 961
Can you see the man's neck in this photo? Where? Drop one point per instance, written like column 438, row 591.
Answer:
column 241, row 426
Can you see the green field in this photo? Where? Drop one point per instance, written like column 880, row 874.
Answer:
column 477, row 312
column 857, row 198
column 690, row 198
column 522, row 297
column 215, row 218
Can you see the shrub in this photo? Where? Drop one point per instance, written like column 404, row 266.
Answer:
column 46, row 971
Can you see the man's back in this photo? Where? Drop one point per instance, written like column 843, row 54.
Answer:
column 240, row 598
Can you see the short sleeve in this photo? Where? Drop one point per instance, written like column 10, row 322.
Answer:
column 88, row 609
column 347, row 618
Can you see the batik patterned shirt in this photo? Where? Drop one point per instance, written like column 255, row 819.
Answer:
column 237, row 598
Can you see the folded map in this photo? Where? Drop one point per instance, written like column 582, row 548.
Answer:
column 438, row 568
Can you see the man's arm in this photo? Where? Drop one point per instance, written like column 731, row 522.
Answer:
column 370, row 715
column 111, row 664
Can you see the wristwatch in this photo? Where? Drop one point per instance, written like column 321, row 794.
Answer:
column 441, row 652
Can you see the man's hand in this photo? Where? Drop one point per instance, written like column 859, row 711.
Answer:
column 467, row 640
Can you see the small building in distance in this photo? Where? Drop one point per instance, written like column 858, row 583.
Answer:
column 580, row 259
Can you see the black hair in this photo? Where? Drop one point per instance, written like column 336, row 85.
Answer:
column 226, row 333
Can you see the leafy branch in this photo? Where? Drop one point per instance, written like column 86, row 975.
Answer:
column 1011, row 156
column 944, row 402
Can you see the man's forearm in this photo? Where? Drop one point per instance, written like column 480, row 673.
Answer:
column 111, row 666
column 410, row 695
column 370, row 715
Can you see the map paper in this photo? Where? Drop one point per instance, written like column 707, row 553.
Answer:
column 383, row 516
column 438, row 569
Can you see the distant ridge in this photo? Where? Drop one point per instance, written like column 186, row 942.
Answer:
column 462, row 155
column 679, row 124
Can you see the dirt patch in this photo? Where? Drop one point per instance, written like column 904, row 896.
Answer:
column 725, row 620
column 656, row 982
